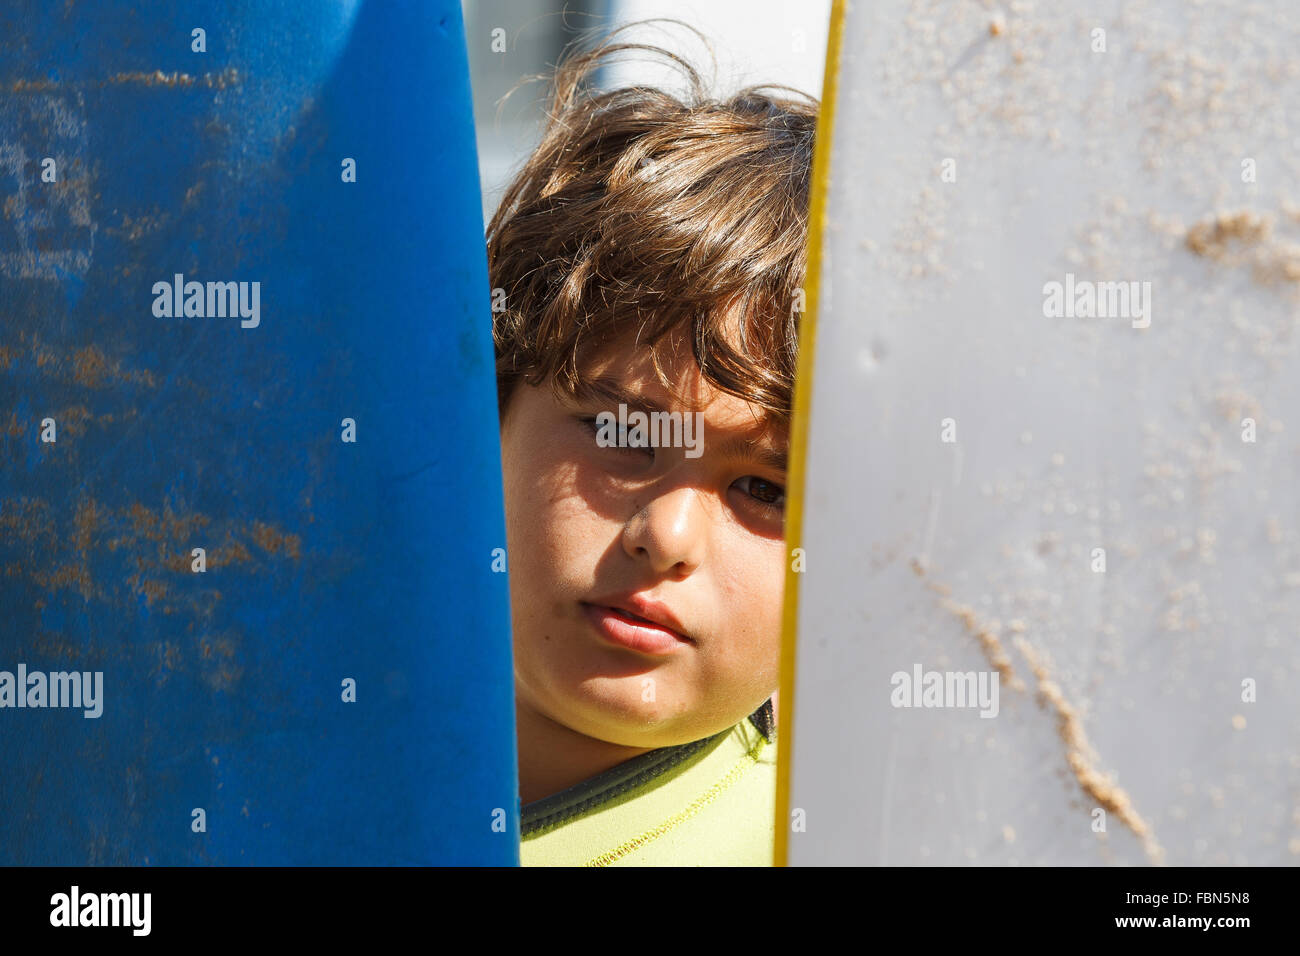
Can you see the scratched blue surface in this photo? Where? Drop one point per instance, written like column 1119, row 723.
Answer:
column 326, row 560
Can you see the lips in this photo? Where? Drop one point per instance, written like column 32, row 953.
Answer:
column 647, row 610
column 637, row 623
column 635, row 617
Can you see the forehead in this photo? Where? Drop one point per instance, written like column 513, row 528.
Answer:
column 628, row 365
column 624, row 373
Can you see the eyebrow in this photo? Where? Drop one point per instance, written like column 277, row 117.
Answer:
column 763, row 452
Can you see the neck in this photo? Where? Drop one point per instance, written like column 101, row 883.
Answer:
column 553, row 757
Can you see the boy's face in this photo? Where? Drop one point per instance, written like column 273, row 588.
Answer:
column 589, row 527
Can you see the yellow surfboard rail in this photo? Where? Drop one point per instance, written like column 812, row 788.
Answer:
column 799, row 426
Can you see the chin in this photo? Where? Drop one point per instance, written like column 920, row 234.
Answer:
column 625, row 719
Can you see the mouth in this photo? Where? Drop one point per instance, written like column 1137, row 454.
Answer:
column 630, row 630
column 635, row 617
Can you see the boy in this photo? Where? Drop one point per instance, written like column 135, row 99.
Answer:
column 651, row 253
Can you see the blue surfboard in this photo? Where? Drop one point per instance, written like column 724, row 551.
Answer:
column 255, row 608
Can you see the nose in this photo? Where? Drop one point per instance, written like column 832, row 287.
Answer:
column 670, row 532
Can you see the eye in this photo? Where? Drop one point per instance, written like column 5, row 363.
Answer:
column 590, row 424
column 767, row 495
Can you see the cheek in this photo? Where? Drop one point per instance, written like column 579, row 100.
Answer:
column 752, row 578
column 532, row 482
column 752, row 584
column 555, row 534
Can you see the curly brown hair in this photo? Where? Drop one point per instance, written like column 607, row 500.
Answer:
column 641, row 212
